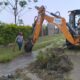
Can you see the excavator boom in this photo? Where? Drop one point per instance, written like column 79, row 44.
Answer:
column 56, row 20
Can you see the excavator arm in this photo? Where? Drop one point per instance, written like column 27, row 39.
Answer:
column 56, row 20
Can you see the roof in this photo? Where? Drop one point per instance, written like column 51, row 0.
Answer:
column 75, row 11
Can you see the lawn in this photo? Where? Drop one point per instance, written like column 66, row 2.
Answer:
column 7, row 53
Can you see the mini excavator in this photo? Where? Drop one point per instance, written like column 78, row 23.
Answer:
column 70, row 30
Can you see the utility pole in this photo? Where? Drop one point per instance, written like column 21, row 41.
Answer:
column 14, row 7
column 15, row 11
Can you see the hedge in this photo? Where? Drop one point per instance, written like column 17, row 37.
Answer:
column 8, row 32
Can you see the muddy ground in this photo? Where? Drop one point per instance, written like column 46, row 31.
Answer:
column 23, row 61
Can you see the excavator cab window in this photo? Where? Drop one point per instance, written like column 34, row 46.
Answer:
column 73, row 18
column 77, row 18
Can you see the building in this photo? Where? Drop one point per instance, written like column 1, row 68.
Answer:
column 52, row 29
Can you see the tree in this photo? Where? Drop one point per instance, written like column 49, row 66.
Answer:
column 17, row 7
column 3, row 5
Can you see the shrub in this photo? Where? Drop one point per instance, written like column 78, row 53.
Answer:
column 54, row 59
column 8, row 33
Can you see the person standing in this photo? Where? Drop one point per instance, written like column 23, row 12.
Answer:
column 19, row 40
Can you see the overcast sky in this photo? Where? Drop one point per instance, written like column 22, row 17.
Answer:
column 51, row 5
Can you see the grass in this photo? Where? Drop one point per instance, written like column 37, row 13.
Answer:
column 7, row 54
column 47, row 40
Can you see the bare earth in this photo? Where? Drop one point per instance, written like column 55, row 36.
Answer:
column 75, row 74
column 19, row 62
column 24, row 60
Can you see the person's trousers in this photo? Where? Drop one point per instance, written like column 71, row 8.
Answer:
column 19, row 45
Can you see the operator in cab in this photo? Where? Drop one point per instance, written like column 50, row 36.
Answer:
column 79, row 23
column 78, row 26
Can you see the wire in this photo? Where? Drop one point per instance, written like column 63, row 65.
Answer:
column 10, row 3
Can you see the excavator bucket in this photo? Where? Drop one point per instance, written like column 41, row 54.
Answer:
column 28, row 46
column 29, row 43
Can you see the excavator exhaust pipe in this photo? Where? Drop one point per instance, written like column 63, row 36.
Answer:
column 28, row 46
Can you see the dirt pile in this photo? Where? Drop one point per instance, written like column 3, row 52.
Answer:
column 51, row 64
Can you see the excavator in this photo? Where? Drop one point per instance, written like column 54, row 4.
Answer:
column 70, row 30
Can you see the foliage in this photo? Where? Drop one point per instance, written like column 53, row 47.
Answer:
column 52, row 63
column 42, row 44
column 7, row 54
column 56, row 40
column 22, row 3
column 8, row 33
column 54, row 59
column 42, row 58
column 16, row 8
column 35, row 0
column 6, row 3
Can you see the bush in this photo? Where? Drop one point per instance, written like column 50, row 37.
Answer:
column 8, row 33
column 1, row 40
column 54, row 59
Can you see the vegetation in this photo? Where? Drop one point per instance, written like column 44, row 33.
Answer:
column 8, row 33
column 52, row 64
column 16, row 8
column 56, row 40
column 7, row 53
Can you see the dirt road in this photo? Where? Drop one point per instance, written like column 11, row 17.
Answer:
column 75, row 74
column 24, row 60
column 19, row 62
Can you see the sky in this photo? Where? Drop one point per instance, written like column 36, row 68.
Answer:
column 63, row 6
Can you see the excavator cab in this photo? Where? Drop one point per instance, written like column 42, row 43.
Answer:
column 74, row 29
column 74, row 16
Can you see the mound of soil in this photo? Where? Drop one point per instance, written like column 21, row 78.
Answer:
column 51, row 64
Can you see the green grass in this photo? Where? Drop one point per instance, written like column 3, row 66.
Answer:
column 56, row 40
column 7, row 54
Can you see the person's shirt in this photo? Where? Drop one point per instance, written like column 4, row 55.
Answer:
column 19, row 38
